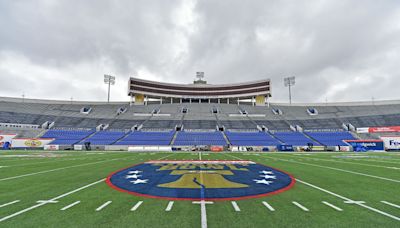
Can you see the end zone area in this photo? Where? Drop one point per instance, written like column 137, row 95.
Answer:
column 70, row 189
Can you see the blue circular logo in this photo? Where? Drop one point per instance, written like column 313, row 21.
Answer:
column 201, row 180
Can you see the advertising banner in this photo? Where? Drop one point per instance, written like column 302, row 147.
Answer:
column 384, row 129
column 51, row 147
column 391, row 142
column 6, row 138
column 30, row 143
column 366, row 145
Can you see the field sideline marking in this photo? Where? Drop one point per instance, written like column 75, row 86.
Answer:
column 390, row 204
column 300, row 206
column 235, row 206
column 169, row 206
column 103, row 206
column 347, row 162
column 332, row 206
column 342, row 170
column 55, row 198
column 69, row 206
column 343, row 198
column 6, row 204
column 137, row 205
column 52, row 170
column 58, row 197
column 347, row 199
column 268, row 206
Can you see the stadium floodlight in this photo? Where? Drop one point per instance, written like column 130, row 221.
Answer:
column 289, row 82
column 110, row 80
column 200, row 75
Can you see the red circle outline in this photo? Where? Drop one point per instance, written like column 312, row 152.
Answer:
column 292, row 183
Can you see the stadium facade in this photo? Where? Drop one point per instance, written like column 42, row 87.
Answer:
column 144, row 91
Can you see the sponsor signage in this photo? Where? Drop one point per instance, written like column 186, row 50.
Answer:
column 6, row 138
column 30, row 142
column 391, row 142
column 384, row 129
column 366, row 145
column 51, row 147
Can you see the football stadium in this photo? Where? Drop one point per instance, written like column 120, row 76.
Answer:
column 199, row 113
column 196, row 155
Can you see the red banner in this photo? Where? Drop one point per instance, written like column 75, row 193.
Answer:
column 384, row 129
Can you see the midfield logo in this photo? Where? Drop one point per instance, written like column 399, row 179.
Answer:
column 196, row 180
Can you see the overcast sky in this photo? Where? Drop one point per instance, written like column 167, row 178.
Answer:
column 338, row 50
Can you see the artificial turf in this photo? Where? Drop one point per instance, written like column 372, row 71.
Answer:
column 38, row 175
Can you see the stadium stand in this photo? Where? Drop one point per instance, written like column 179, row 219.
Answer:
column 334, row 138
column 104, row 137
column 214, row 138
column 144, row 138
column 67, row 137
column 295, row 138
column 251, row 139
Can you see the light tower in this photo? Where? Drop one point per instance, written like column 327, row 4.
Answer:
column 110, row 80
column 289, row 82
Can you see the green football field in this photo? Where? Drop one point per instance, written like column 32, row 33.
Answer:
column 68, row 189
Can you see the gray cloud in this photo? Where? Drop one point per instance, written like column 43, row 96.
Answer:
column 338, row 50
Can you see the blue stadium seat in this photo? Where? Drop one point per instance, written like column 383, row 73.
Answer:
column 67, row 137
column 295, row 138
column 200, row 139
column 251, row 139
column 332, row 138
column 143, row 138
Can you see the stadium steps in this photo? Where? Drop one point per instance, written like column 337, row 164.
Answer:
column 312, row 139
column 226, row 138
column 173, row 138
column 87, row 137
column 273, row 136
column 355, row 135
column 122, row 138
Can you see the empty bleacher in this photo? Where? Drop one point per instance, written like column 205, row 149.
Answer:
column 104, row 137
column 214, row 138
column 67, row 137
column 144, row 138
column 251, row 139
column 334, row 138
column 295, row 138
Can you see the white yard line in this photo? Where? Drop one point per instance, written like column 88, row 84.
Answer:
column 342, row 170
column 391, row 204
column 6, row 204
column 235, row 206
column 52, row 170
column 332, row 206
column 355, row 163
column 137, row 205
column 169, row 206
column 69, row 206
column 54, row 199
column 268, row 206
column 361, row 204
column 300, row 206
column 103, row 206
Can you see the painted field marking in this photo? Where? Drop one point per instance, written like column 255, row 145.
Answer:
column 46, row 201
column 342, row 170
column 137, row 205
column 69, row 206
column 332, row 206
column 268, row 206
column 358, row 203
column 390, row 204
column 9, row 203
column 355, row 163
column 55, row 198
column 103, row 206
column 300, row 206
column 52, row 170
column 203, row 211
column 169, row 206
column 235, row 206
